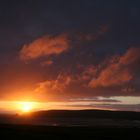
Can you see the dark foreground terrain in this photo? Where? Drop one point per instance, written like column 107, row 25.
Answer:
column 66, row 133
column 63, row 124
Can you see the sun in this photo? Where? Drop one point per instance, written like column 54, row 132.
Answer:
column 26, row 106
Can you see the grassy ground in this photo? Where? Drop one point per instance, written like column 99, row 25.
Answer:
column 66, row 133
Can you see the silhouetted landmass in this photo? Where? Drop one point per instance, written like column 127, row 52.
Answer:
column 69, row 118
column 102, row 114
column 71, row 124
column 66, row 133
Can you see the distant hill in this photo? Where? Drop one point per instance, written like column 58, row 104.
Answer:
column 93, row 118
column 100, row 114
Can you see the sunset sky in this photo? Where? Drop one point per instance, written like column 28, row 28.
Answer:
column 70, row 54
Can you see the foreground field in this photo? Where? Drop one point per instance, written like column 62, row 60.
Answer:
column 57, row 132
column 69, row 125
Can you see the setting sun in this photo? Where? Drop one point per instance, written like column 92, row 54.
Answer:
column 22, row 107
column 26, row 106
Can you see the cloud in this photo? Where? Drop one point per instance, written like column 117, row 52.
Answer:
column 49, row 45
column 88, row 72
column 101, row 30
column 44, row 46
column 85, row 37
column 128, row 89
column 96, row 100
column 131, row 56
column 122, row 107
column 47, row 63
column 108, row 106
column 117, row 76
column 55, row 86
column 118, row 71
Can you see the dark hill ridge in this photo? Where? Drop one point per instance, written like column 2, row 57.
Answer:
column 99, row 114
column 92, row 118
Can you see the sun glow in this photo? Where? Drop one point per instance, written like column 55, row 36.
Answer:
column 26, row 106
column 22, row 107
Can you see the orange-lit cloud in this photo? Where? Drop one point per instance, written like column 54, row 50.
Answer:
column 45, row 46
column 53, row 45
column 89, row 71
column 53, row 86
column 117, row 72
column 111, row 77
column 47, row 63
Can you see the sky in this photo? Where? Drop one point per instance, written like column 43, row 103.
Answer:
column 71, row 54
